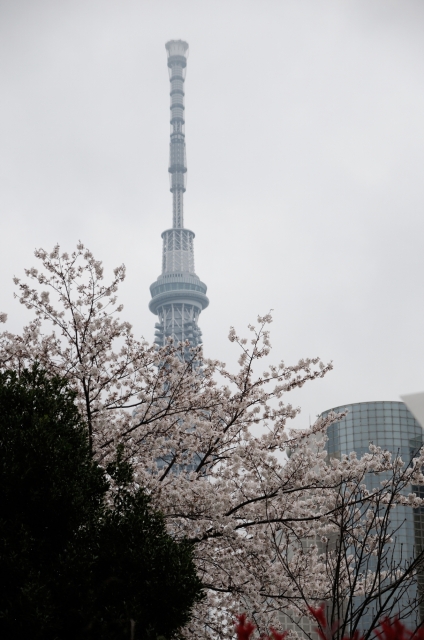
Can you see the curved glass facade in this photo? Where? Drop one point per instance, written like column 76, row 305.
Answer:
column 391, row 426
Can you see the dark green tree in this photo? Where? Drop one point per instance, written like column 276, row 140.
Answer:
column 72, row 564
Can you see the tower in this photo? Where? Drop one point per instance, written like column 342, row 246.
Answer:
column 178, row 295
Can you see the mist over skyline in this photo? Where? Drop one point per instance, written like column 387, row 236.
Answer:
column 305, row 153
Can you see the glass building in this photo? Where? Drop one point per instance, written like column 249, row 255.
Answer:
column 391, row 426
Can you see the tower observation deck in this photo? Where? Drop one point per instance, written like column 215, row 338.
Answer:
column 178, row 295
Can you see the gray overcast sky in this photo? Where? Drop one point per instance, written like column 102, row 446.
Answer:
column 305, row 147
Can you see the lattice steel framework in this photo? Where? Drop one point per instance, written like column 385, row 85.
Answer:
column 178, row 295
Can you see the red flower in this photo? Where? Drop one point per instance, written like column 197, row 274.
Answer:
column 244, row 628
column 394, row 630
column 324, row 632
column 319, row 615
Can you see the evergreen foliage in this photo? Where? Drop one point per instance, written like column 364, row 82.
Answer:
column 82, row 553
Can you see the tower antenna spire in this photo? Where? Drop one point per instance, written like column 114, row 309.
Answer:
column 178, row 295
column 177, row 62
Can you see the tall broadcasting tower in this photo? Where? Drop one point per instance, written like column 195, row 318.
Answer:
column 178, row 295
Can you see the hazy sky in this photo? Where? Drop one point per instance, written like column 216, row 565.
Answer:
column 305, row 148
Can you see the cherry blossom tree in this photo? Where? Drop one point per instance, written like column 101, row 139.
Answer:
column 210, row 446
